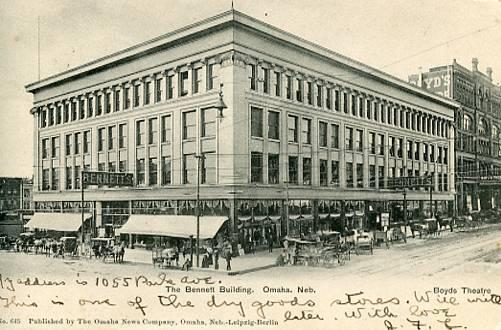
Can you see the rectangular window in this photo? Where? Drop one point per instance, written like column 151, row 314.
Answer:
column 361, row 108
column 76, row 173
column 112, row 166
column 189, row 168
column 55, row 147
column 100, row 139
column 252, row 76
column 299, row 90
column 45, row 148
column 189, row 125
column 122, row 136
column 66, row 113
column 183, row 83
column 86, row 142
column 256, row 167
column 416, row 151
column 58, row 114
column 81, row 109
column 319, row 96
column 273, row 169
column 381, row 113
column 335, row 136
column 140, row 133
column 400, row 150
column 107, row 102
column 410, row 145
column 335, row 173
column 153, row 167
column 170, row 87
column 372, row 143
column 389, row 115
column 266, row 80
column 337, row 100
column 359, row 142
column 126, row 97
column 73, row 110
column 140, row 172
column 166, row 170
column 117, row 100
column 112, row 137
column 360, row 175
column 293, row 169
column 323, row 172
column 328, row 98
column 345, row 102
column 306, row 171
column 147, row 92
column 353, row 105
column 273, row 125
column 152, row 131
column 369, row 109
column 278, row 84
column 166, row 129
column 211, row 76
column 322, row 134
column 349, row 174
column 349, row 138
column 256, row 122
column 158, row 90
column 393, row 146
column 309, row 92
column 380, row 146
column 55, row 179
column 432, row 153
column 372, row 176
column 401, row 113
column 208, row 168
column 381, row 177
column 197, row 80
column 425, row 152
column 445, row 155
column 208, row 122
column 68, row 140
column 136, row 95
column 78, row 143
column 292, row 129
column 306, row 131
column 288, row 87
column 69, row 177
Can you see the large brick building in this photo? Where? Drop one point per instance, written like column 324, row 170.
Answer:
column 309, row 138
column 478, row 138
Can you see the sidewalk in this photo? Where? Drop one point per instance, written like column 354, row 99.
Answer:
column 239, row 265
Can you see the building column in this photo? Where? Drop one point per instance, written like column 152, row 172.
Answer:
column 342, row 156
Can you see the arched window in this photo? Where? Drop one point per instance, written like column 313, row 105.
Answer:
column 482, row 127
column 495, row 132
column 467, row 123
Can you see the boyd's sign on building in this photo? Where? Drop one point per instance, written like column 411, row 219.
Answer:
column 107, row 178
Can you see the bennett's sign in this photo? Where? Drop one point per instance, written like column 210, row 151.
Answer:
column 107, row 178
column 410, row 182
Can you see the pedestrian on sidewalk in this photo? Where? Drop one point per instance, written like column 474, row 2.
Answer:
column 216, row 258
column 270, row 244
column 227, row 256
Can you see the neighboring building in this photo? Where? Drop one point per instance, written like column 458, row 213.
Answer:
column 306, row 132
column 478, row 137
column 15, row 194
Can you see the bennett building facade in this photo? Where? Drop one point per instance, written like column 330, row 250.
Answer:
column 308, row 139
column 478, row 138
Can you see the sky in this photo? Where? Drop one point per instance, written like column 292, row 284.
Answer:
column 396, row 36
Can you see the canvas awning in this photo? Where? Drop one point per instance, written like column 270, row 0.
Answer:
column 182, row 226
column 57, row 221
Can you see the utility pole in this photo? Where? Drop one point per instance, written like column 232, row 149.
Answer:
column 199, row 159
column 405, row 215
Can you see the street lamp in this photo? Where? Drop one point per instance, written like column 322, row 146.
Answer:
column 220, row 106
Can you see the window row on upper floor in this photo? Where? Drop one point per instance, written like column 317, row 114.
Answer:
column 163, row 86
column 300, row 130
column 318, row 93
